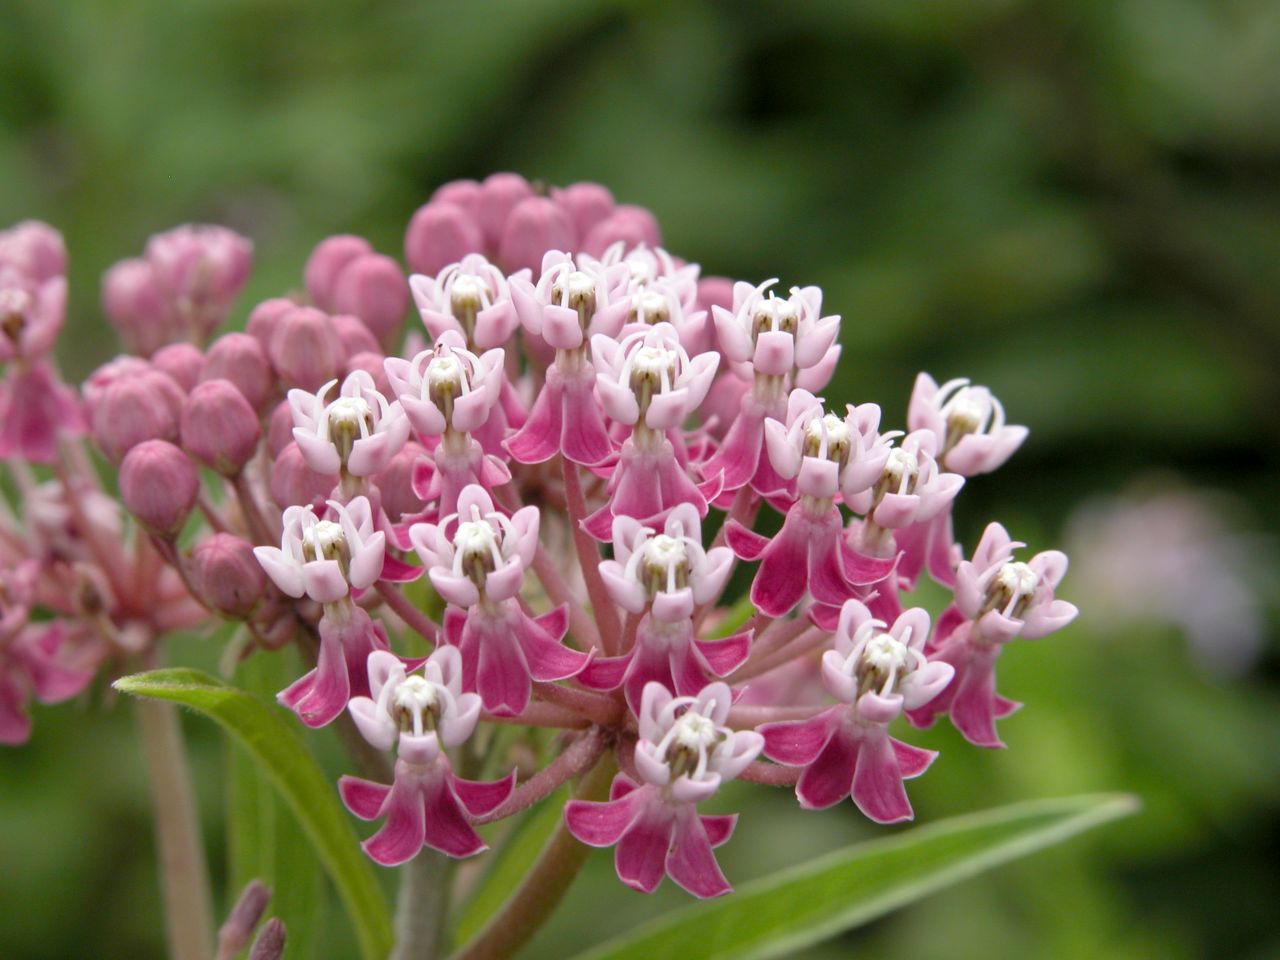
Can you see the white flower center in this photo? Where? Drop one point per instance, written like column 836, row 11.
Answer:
column 468, row 293
column 772, row 314
column 693, row 731
column 444, row 370
column 827, row 438
column 325, row 541
column 884, row 653
column 475, row 537
column 416, row 695
column 649, row 306
column 349, row 411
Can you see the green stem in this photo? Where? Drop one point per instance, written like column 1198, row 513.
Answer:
column 420, row 906
column 544, row 886
column 184, row 878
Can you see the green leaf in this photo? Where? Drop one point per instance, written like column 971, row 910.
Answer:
column 298, row 780
column 265, row 840
column 518, row 855
column 781, row 914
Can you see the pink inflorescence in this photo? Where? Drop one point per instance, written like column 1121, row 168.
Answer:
column 527, row 510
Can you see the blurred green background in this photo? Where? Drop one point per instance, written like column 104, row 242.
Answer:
column 1076, row 203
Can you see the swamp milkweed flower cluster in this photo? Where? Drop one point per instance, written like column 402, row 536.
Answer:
column 540, row 508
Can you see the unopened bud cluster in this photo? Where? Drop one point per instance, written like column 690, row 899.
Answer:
column 569, row 452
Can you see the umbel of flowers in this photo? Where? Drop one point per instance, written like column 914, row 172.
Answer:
column 524, row 509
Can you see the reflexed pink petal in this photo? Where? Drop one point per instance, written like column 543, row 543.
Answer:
column 747, row 544
column 364, row 798
column 973, row 702
column 726, row 655
column 877, row 781
column 584, row 438
column 827, row 583
column 547, row 657
column 719, row 828
column 402, row 836
column 641, row 855
column 605, row 673
column 783, row 575
column 483, row 796
column 912, row 761
column 690, row 861
column 500, row 670
column 829, row 779
column 447, row 828
column 539, row 439
column 395, row 570
column 601, row 824
column 798, row 744
column 321, row 695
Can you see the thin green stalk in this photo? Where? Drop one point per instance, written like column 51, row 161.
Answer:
column 184, row 878
column 546, row 884
column 420, row 906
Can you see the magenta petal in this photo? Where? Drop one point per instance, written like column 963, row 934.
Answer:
column 395, row 570
column 322, row 694
column 877, row 781
column 719, row 828
column 502, row 675
column 727, row 655
column 447, row 828
column 973, row 704
column 600, row 824
column 827, row 583
column 539, row 439
column 862, row 570
column 912, row 761
column 829, row 779
column 483, row 796
column 649, row 663
column 364, row 798
column 686, row 669
column 690, row 861
column 547, row 657
column 584, row 438
column 782, row 578
column 621, row 786
column 605, row 673
column 600, row 524
column 798, row 743
column 746, row 544
column 641, row 854
column 555, row 622
column 402, row 836
column 739, row 455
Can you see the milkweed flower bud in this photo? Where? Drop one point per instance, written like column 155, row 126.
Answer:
column 34, row 249
column 439, row 234
column 629, row 225
column 136, row 306
column 200, row 269
column 327, row 261
column 159, row 485
column 235, row 934
column 354, row 336
column 422, row 715
column 133, row 409
column 498, row 196
column 586, row 204
column 228, row 575
column 239, row 358
column 219, row 428
column 182, row 361
column 305, row 349
column 684, row 753
column 535, row 225
column 373, row 288
column 264, row 318
column 294, row 483
column 270, row 942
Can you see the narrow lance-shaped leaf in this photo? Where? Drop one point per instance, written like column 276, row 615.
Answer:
column 781, row 914
column 299, row 781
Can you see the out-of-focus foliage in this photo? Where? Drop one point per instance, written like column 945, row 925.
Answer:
column 1076, row 202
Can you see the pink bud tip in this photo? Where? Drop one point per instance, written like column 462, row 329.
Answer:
column 354, row 336
column 374, row 288
column 305, row 348
column 499, row 195
column 219, row 428
column 631, row 224
column 159, row 486
column 230, row 580
column 535, row 226
column 327, row 261
column 586, row 203
column 439, row 234
column 269, row 944
column 239, row 357
column 136, row 408
column 263, row 320
column 294, row 483
column 135, row 304
column 35, row 249
column 182, row 361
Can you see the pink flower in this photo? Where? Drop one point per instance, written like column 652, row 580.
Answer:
column 683, row 754
column 470, row 297
column 34, row 663
column 969, row 421
column 570, row 304
column 31, row 315
column 36, row 410
column 358, row 432
column 427, row 804
column 997, row 600
column 875, row 673
column 200, row 269
column 326, row 559
column 448, row 387
column 34, row 249
column 665, row 577
column 827, row 455
column 777, row 337
column 479, row 567
column 347, row 638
